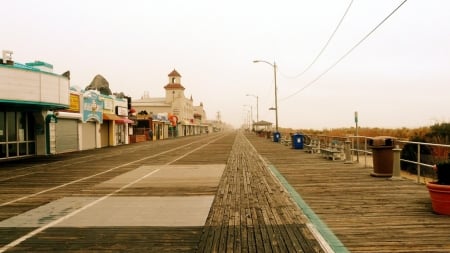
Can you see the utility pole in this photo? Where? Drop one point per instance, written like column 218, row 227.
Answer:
column 357, row 137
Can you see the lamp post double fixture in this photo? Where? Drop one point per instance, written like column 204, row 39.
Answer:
column 257, row 106
column 274, row 65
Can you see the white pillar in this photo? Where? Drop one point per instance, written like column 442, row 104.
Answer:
column 348, row 158
column 396, row 164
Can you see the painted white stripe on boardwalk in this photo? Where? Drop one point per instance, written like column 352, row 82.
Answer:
column 54, row 223
column 134, row 210
column 103, row 172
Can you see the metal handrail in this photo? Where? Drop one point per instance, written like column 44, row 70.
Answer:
column 355, row 150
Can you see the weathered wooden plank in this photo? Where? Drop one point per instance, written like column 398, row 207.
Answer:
column 367, row 214
column 250, row 212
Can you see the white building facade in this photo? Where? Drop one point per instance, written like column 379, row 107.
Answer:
column 92, row 121
column 28, row 92
column 184, row 118
column 41, row 115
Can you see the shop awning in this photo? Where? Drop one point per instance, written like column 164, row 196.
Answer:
column 124, row 121
column 117, row 119
column 110, row 116
column 30, row 105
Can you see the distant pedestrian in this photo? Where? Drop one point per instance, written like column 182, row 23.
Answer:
column 150, row 134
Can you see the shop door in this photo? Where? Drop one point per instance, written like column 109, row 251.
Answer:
column 89, row 136
column 104, row 134
column 66, row 135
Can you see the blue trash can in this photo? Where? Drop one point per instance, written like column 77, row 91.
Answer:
column 276, row 137
column 297, row 141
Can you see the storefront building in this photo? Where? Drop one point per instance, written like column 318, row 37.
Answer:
column 92, row 121
column 41, row 115
column 29, row 93
column 182, row 117
column 115, row 127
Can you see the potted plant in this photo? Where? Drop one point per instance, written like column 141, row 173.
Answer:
column 440, row 189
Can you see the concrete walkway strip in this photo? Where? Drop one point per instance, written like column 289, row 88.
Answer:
column 119, row 211
column 134, row 211
column 170, row 176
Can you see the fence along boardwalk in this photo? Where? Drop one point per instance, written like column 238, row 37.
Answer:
column 252, row 212
column 367, row 214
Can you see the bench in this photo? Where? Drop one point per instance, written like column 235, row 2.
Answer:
column 286, row 141
column 313, row 147
column 334, row 151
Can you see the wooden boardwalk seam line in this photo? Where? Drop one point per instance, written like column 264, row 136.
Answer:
column 326, row 238
column 252, row 212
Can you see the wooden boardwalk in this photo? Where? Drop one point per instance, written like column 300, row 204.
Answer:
column 367, row 214
column 254, row 209
column 252, row 212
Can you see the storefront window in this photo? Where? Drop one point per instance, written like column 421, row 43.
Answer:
column 2, row 135
column 11, row 129
column 17, row 136
column 31, row 128
column 2, row 150
column 22, row 149
column 31, row 148
column 2, row 127
column 120, row 134
column 22, row 124
column 12, row 149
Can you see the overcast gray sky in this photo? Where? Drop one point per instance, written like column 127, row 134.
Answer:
column 398, row 77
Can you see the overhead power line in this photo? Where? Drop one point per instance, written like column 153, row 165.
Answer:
column 346, row 54
column 325, row 46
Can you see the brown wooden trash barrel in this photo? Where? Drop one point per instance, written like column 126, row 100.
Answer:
column 383, row 156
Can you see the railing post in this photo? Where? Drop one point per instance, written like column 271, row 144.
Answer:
column 352, row 150
column 348, row 158
column 418, row 163
column 396, row 166
column 357, row 148
column 365, row 152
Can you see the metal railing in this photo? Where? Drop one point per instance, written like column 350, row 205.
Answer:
column 418, row 162
column 425, row 154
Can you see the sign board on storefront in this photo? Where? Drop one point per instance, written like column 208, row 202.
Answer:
column 121, row 111
column 92, row 107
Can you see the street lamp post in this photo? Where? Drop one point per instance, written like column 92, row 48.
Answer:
column 257, row 106
column 249, row 117
column 274, row 65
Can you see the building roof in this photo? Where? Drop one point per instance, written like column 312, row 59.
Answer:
column 262, row 123
column 174, row 73
column 17, row 65
column 39, row 64
column 149, row 100
column 174, row 86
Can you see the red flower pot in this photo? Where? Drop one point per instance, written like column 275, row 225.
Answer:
column 440, row 197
